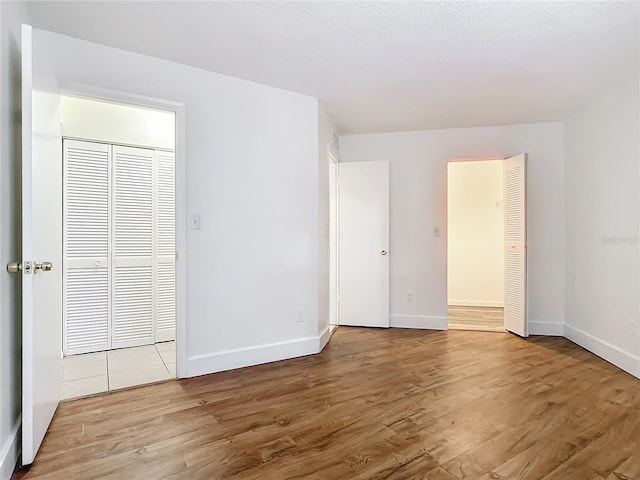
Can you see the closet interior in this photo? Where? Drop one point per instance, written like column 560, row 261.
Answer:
column 119, row 279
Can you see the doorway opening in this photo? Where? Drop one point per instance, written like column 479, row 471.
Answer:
column 119, row 243
column 475, row 245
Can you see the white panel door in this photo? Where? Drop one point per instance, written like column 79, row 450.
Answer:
column 363, row 230
column 133, row 265
column 86, row 247
column 515, row 223
column 165, row 247
column 41, row 243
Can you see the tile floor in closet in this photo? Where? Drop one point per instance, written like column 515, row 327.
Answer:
column 126, row 367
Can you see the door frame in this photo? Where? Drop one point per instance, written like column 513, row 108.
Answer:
column 103, row 94
column 334, row 260
column 446, row 217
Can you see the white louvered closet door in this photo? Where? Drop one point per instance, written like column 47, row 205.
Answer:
column 86, row 247
column 133, row 262
column 515, row 223
column 165, row 247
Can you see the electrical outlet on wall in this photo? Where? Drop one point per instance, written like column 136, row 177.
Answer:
column 409, row 297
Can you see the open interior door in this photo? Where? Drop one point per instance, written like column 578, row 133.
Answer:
column 41, row 265
column 515, row 245
column 363, row 244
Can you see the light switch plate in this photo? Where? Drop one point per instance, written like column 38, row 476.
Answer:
column 194, row 222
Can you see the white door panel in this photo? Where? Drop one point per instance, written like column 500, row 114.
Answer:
column 41, row 242
column 165, row 291
column 515, row 298
column 133, row 265
column 119, row 246
column 363, row 244
column 87, row 294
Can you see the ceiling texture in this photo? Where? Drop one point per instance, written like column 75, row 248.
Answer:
column 385, row 66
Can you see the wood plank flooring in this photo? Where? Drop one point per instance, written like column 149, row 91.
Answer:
column 375, row 404
column 488, row 319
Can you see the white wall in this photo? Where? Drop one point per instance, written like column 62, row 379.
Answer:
column 117, row 123
column 418, row 202
column 12, row 14
column 475, row 233
column 252, row 175
column 603, row 213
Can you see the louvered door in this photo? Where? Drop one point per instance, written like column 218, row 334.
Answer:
column 165, row 292
column 515, row 298
column 119, row 231
column 133, row 262
column 86, row 273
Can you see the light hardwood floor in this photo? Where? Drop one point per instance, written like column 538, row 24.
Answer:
column 488, row 319
column 375, row 404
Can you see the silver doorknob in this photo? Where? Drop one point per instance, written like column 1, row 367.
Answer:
column 14, row 267
column 383, row 252
column 44, row 266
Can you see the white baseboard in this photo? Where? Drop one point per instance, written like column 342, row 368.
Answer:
column 246, row 357
column 323, row 339
column 426, row 322
column 624, row 360
column 553, row 329
column 474, row 303
column 10, row 452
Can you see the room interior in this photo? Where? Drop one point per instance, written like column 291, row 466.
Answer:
column 257, row 113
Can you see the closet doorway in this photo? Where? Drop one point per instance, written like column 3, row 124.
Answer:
column 475, row 245
column 119, row 262
column 487, row 244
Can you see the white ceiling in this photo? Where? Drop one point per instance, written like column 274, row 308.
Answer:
column 385, row 66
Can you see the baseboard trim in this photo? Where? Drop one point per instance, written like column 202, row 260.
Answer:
column 323, row 339
column 624, row 360
column 246, row 357
column 10, row 452
column 553, row 329
column 425, row 322
column 474, row 303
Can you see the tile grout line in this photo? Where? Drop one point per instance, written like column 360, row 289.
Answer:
column 162, row 358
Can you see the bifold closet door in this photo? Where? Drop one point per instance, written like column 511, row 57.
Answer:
column 133, row 265
column 86, row 247
column 165, row 247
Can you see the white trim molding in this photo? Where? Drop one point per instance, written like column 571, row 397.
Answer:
column 553, row 329
column 247, row 357
column 10, row 452
column 624, row 360
column 323, row 339
column 424, row 322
